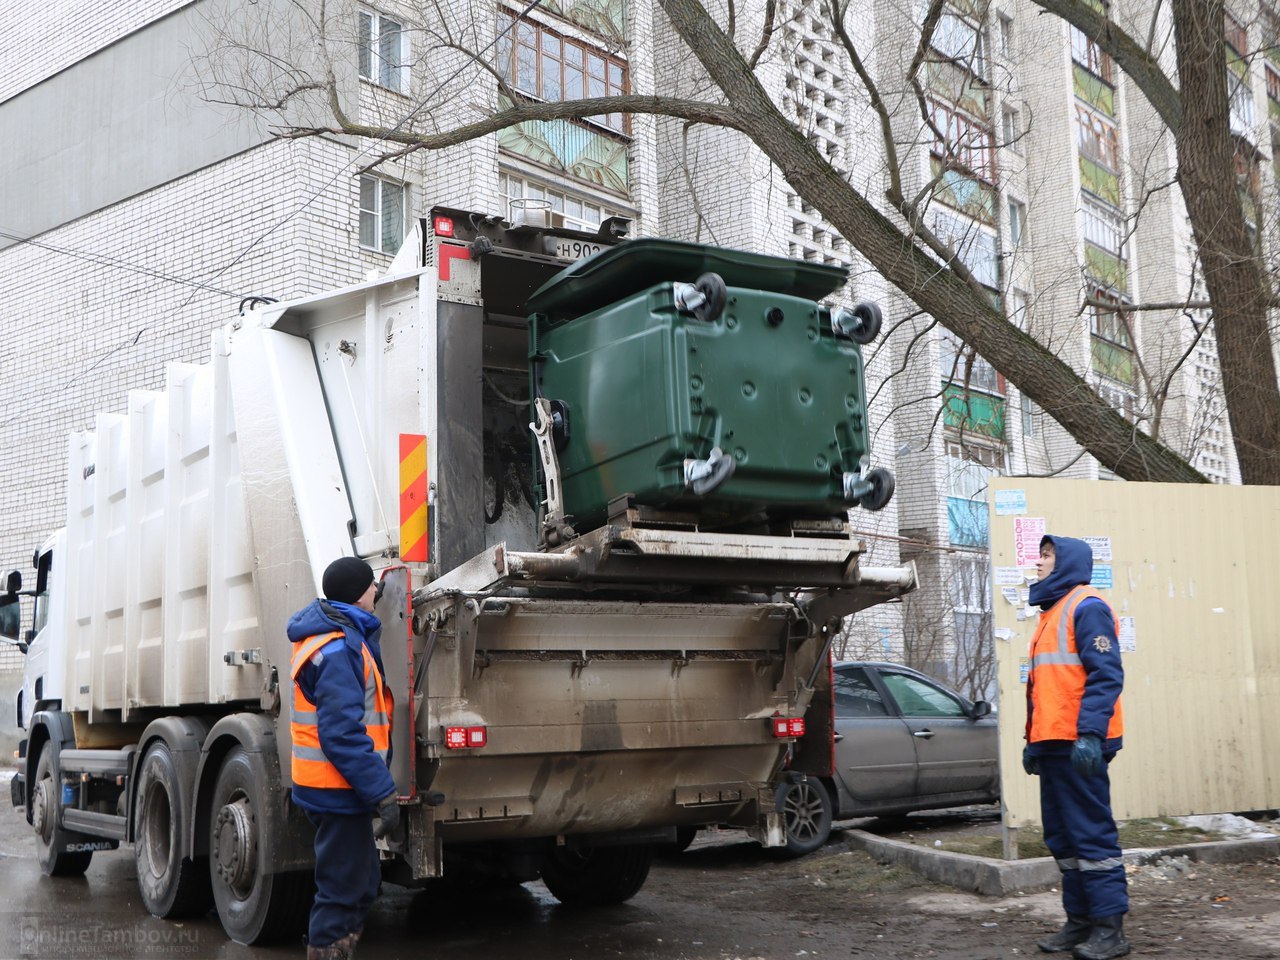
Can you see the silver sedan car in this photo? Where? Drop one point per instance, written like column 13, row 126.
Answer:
column 904, row 742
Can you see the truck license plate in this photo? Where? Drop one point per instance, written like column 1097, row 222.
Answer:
column 576, row 249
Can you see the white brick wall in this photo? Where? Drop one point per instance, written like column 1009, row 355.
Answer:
column 39, row 38
column 90, row 329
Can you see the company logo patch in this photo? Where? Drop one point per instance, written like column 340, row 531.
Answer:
column 1102, row 644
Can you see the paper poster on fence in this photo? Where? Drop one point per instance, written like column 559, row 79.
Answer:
column 1010, row 502
column 1128, row 637
column 1102, row 579
column 1027, row 534
column 1008, row 577
column 1101, row 547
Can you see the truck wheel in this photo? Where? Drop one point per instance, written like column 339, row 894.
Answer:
column 806, row 814
column 253, row 905
column 598, row 876
column 170, row 884
column 50, row 839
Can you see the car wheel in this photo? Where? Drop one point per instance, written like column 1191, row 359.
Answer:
column 806, row 812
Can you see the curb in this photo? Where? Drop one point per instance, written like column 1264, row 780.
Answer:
column 1002, row 878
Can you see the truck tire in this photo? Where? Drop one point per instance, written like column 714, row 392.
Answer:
column 170, row 884
column 253, row 905
column 50, row 838
column 806, row 815
column 597, row 876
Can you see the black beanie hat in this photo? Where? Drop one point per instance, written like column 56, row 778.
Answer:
column 346, row 579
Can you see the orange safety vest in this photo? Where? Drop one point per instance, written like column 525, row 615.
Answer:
column 1055, row 686
column 310, row 767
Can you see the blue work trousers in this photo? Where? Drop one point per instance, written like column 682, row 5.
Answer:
column 347, row 875
column 1080, row 832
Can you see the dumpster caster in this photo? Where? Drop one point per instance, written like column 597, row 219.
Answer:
column 711, row 286
column 705, row 298
column 861, row 324
column 881, row 492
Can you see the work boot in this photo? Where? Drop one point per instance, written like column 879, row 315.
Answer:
column 338, row 950
column 1106, row 941
column 1075, row 930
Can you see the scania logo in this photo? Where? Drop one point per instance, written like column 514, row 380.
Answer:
column 96, row 845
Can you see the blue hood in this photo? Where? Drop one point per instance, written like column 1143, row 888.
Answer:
column 326, row 616
column 1072, row 567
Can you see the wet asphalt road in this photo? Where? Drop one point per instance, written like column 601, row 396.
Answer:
column 723, row 899
column 100, row 915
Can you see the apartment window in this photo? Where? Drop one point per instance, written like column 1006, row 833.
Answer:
column 1273, row 83
column 1018, row 308
column 1234, row 33
column 970, row 467
column 1112, row 349
column 975, row 246
column 543, row 64
column 384, row 51
column 1097, row 138
column 1017, row 221
column 1108, row 319
column 1089, row 55
column 1029, row 413
column 382, row 214
column 965, row 143
column 1004, row 31
column 960, row 364
column 1243, row 116
column 1011, row 128
column 960, row 40
column 1102, row 226
column 573, row 210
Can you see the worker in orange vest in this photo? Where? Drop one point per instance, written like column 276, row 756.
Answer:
column 1074, row 729
column 341, row 729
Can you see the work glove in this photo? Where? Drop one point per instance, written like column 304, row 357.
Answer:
column 1030, row 762
column 388, row 816
column 1086, row 755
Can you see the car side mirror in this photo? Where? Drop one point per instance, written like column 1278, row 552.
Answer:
column 981, row 708
column 13, row 582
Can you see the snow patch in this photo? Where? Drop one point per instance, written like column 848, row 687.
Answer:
column 1228, row 825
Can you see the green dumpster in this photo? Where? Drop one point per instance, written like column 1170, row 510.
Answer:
column 702, row 379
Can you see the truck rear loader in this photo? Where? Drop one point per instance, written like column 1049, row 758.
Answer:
column 608, row 502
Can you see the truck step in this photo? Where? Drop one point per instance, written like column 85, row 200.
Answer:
column 96, row 824
column 97, row 763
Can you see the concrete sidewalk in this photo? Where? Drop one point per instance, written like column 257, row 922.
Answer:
column 1002, row 878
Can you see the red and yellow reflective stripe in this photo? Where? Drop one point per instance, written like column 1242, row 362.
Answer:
column 413, row 498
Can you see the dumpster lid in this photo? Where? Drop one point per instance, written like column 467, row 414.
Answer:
column 636, row 265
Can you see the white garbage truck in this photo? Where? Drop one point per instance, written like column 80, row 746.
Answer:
column 585, row 663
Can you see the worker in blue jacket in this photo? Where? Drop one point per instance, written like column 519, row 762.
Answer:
column 1075, row 727
column 341, row 730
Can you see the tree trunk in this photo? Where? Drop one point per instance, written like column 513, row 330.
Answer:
column 1232, row 274
column 1059, row 390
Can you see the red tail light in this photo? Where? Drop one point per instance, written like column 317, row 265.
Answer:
column 443, row 226
column 784, row 727
column 465, row 738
